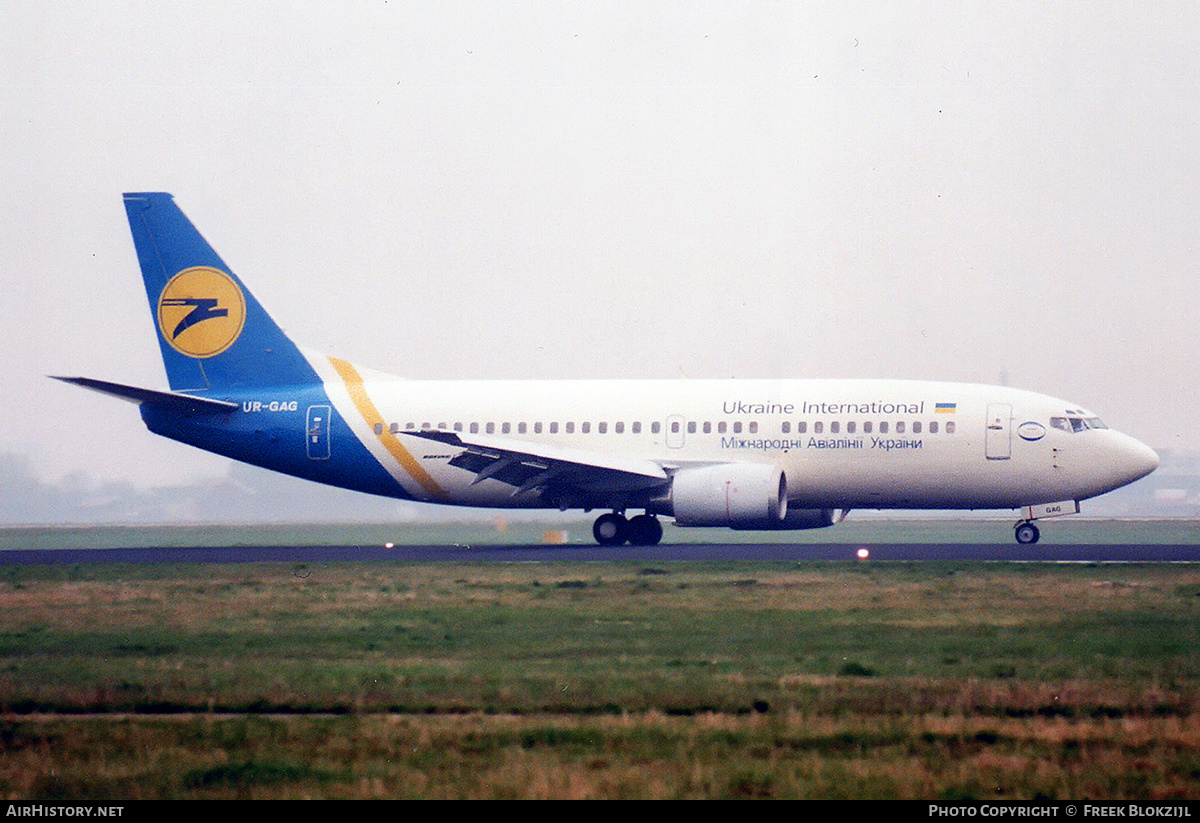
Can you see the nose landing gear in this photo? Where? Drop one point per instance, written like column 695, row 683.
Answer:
column 1026, row 533
column 613, row 529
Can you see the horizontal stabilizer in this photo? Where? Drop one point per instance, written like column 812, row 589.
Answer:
column 181, row 402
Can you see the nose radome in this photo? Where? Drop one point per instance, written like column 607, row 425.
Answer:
column 1149, row 459
column 1138, row 459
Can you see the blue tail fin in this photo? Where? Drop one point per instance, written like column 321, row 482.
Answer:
column 214, row 335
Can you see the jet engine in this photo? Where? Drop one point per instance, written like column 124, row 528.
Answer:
column 741, row 495
column 805, row 519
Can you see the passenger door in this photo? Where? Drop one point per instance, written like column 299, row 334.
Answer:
column 317, row 432
column 998, row 437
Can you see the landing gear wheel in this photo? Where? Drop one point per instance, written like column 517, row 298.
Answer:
column 610, row 529
column 1027, row 533
column 645, row 530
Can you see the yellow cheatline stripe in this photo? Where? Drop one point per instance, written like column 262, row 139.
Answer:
column 354, row 385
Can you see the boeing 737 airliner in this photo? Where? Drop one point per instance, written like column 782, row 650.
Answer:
column 746, row 454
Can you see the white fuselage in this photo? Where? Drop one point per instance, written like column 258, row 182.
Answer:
column 879, row 444
column 747, row 454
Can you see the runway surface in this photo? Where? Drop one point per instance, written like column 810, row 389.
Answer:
column 647, row 554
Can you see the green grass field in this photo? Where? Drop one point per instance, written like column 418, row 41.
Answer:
column 689, row 680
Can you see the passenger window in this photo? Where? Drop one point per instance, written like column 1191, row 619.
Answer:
column 883, row 427
column 850, row 427
column 949, row 427
column 868, row 426
column 917, row 427
column 571, row 427
column 835, row 427
column 619, row 428
column 721, row 427
column 602, row 428
column 637, row 427
column 655, row 427
column 754, row 427
column 474, row 428
column 933, row 427
column 737, row 427
column 674, row 427
column 554, row 427
column 537, row 428
column 899, row 427
column 394, row 428
column 707, row 427
column 585, row 427
column 786, row 427
column 691, row 427
column 802, row 427
column 458, row 427
column 379, row 428
column 818, row 427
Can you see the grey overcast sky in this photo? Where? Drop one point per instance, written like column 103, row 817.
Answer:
column 932, row 190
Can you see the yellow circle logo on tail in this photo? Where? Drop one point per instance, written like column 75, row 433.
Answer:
column 201, row 311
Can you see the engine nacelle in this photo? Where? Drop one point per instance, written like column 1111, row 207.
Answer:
column 806, row 519
column 741, row 495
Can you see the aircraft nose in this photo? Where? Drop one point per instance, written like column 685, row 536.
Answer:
column 1136, row 459
column 1149, row 459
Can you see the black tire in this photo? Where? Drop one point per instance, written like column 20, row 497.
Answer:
column 1027, row 534
column 645, row 530
column 610, row 529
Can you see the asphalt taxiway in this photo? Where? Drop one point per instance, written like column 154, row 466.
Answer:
column 587, row 553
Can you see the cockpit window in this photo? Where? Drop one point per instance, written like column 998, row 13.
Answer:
column 1076, row 424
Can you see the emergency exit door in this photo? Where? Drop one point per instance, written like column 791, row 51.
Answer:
column 675, row 434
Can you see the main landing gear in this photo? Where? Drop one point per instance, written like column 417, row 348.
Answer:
column 1027, row 533
column 613, row 529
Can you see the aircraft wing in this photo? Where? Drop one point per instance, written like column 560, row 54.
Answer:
column 528, row 466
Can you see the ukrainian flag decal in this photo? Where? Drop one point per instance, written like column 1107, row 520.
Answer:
column 945, row 408
column 201, row 312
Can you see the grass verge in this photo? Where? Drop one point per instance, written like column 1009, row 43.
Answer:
column 600, row 680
